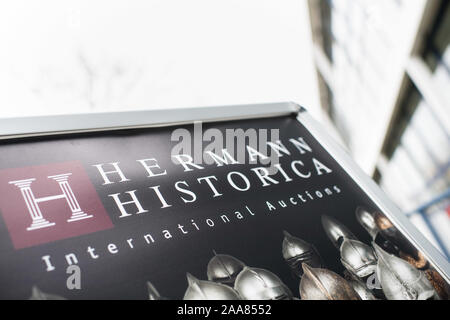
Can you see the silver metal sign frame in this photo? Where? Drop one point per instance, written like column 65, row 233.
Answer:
column 13, row 128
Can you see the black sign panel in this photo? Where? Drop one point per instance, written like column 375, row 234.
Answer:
column 123, row 209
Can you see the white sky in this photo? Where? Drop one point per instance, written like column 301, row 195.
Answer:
column 81, row 56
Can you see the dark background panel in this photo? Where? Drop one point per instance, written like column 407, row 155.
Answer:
column 256, row 240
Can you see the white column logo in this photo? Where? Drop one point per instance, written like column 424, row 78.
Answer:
column 38, row 221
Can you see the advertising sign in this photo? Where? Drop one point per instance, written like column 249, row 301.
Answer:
column 237, row 209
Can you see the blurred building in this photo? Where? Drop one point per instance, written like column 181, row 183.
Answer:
column 384, row 78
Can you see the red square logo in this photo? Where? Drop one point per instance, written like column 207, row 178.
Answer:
column 46, row 203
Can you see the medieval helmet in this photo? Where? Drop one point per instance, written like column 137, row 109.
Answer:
column 208, row 290
column 406, row 248
column 223, row 268
column 382, row 221
column 336, row 231
column 367, row 221
column 261, row 284
column 400, row 280
column 358, row 258
column 153, row 294
column 296, row 251
column 363, row 292
column 37, row 294
column 323, row 284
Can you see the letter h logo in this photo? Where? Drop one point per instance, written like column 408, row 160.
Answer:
column 38, row 221
column 60, row 205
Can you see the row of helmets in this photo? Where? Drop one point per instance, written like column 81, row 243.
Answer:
column 391, row 268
